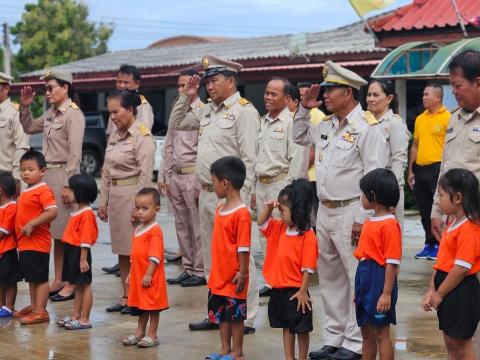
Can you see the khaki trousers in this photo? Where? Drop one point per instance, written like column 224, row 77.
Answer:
column 208, row 203
column 336, row 276
column 187, row 222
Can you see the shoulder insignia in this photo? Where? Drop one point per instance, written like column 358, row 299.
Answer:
column 370, row 118
column 74, row 106
column 16, row 106
column 328, row 117
column 142, row 98
column 243, row 101
column 201, row 105
column 143, row 130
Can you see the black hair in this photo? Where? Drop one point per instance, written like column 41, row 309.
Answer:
column 304, row 84
column 188, row 72
column 388, row 87
column 130, row 70
column 84, row 188
column 128, row 98
column 295, row 93
column 230, row 168
column 468, row 62
column 381, row 186
column 7, row 183
column 72, row 94
column 437, row 86
column 287, row 85
column 152, row 192
column 35, row 156
column 298, row 197
column 466, row 183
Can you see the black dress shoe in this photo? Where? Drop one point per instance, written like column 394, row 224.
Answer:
column 203, row 325
column 265, row 291
column 183, row 276
column 194, row 280
column 58, row 297
column 323, row 353
column 125, row 310
column 117, row 273
column 111, row 270
column 344, row 354
column 173, row 259
column 247, row 330
column 115, row 308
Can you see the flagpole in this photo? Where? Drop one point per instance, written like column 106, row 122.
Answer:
column 365, row 22
column 459, row 18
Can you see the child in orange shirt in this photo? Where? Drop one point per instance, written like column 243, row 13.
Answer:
column 292, row 253
column 147, row 294
column 9, row 268
column 379, row 253
column 36, row 209
column 454, row 289
column 231, row 237
column 80, row 235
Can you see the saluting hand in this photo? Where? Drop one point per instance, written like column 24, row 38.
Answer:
column 26, row 96
column 309, row 99
column 191, row 89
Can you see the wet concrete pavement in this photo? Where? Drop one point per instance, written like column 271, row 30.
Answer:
column 417, row 335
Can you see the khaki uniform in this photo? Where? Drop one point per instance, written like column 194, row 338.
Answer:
column 230, row 128
column 342, row 156
column 13, row 141
column 127, row 168
column 178, row 170
column 63, row 130
column 144, row 115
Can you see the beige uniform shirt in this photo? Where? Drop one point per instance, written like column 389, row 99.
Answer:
column 230, row 128
column 13, row 141
column 63, row 130
column 144, row 115
column 462, row 147
column 129, row 153
column 277, row 153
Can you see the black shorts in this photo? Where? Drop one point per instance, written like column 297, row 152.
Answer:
column 9, row 268
column 282, row 312
column 135, row 311
column 71, row 266
column 223, row 308
column 34, row 266
column 459, row 312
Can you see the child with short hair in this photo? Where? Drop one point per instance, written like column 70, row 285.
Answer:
column 80, row 235
column 147, row 294
column 36, row 209
column 231, row 237
column 379, row 253
column 291, row 256
column 454, row 289
column 9, row 268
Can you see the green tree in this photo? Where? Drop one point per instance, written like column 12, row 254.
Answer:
column 54, row 32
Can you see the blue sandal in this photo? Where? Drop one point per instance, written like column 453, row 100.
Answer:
column 5, row 312
column 213, row 356
column 227, row 357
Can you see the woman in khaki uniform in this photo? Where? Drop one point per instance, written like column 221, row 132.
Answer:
column 63, row 126
column 127, row 168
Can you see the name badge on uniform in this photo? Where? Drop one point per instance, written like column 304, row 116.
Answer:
column 279, row 130
column 207, row 115
column 450, row 130
column 346, row 136
column 323, row 137
column 477, row 129
column 229, row 116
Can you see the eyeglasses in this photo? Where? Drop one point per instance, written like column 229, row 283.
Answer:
column 50, row 88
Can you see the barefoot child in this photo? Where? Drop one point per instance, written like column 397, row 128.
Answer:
column 379, row 253
column 36, row 209
column 291, row 257
column 147, row 294
column 80, row 235
column 231, row 237
column 454, row 289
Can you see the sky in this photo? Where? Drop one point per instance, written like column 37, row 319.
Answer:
column 139, row 23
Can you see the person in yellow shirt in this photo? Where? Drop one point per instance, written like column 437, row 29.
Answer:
column 425, row 158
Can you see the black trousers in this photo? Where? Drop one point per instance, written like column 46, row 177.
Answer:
column 426, row 178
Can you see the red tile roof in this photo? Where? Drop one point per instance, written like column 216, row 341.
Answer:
column 421, row 14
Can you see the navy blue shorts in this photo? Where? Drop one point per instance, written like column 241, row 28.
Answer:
column 369, row 282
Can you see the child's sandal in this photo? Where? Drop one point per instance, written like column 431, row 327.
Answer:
column 130, row 340
column 213, row 356
column 77, row 325
column 64, row 321
column 148, row 342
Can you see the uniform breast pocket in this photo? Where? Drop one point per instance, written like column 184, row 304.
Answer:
column 203, row 126
column 473, row 147
column 277, row 141
column 344, row 155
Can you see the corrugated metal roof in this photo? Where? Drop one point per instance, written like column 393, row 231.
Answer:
column 421, row 14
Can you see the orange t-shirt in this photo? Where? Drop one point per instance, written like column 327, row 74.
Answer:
column 289, row 254
column 7, row 226
column 380, row 240
column 81, row 229
column 31, row 204
column 232, row 232
column 460, row 245
column 147, row 244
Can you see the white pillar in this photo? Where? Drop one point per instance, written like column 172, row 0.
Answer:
column 401, row 89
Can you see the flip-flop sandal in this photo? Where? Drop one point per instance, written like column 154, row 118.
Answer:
column 130, row 340
column 148, row 342
column 213, row 356
column 227, row 357
column 76, row 325
column 64, row 321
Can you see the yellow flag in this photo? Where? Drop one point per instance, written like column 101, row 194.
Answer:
column 365, row 6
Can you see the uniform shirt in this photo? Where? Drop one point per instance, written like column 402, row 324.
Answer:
column 289, row 254
column 381, row 241
column 316, row 116
column 147, row 245
column 32, row 202
column 81, row 229
column 462, row 148
column 460, row 245
column 13, row 141
column 230, row 128
column 144, row 115
column 7, row 227
column 231, row 235
column 430, row 132
column 63, row 130
column 129, row 153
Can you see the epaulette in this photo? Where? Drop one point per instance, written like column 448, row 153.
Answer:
column 74, row 106
column 242, row 101
column 16, row 106
column 370, row 118
column 143, row 100
column 143, row 129
column 201, row 105
column 328, row 117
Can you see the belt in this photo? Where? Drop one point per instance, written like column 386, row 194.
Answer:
column 271, row 179
column 207, row 188
column 133, row 180
column 185, row 170
column 55, row 166
column 333, row 204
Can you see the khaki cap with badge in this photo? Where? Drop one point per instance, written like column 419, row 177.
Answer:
column 58, row 75
column 213, row 65
column 335, row 75
column 5, row 79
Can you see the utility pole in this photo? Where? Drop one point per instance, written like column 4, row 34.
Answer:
column 6, row 50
